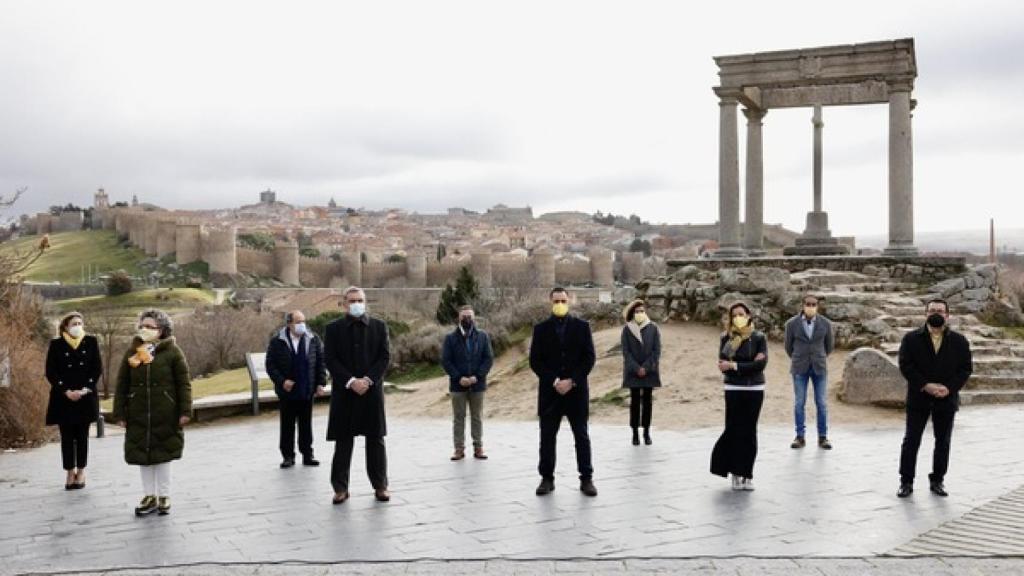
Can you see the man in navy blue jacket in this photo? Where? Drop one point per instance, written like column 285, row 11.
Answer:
column 562, row 356
column 467, row 358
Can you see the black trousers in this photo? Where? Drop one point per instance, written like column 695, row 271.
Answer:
column 942, row 427
column 300, row 412
column 736, row 448
column 550, row 422
column 74, row 445
column 640, row 407
column 376, row 462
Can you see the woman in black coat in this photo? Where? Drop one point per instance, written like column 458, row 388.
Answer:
column 73, row 367
column 742, row 357
column 641, row 353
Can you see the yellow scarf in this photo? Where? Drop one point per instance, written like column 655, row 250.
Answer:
column 141, row 356
column 73, row 342
column 737, row 336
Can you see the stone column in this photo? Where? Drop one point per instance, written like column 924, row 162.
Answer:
column 753, row 230
column 728, row 180
column 817, row 239
column 901, row 173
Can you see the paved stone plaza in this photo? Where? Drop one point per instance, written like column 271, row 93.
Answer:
column 813, row 511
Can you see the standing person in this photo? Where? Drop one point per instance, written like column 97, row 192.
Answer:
column 936, row 361
column 154, row 400
column 295, row 363
column 641, row 352
column 467, row 359
column 356, row 351
column 562, row 356
column 809, row 341
column 742, row 357
column 73, row 367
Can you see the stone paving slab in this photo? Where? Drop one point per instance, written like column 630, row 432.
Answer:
column 996, row 528
column 702, row 567
column 232, row 504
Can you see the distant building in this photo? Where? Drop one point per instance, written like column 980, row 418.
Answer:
column 268, row 196
column 506, row 214
column 100, row 200
column 135, row 200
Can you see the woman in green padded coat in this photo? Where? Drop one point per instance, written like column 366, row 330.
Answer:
column 154, row 400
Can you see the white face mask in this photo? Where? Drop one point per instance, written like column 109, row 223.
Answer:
column 357, row 309
column 76, row 331
column 299, row 329
column 149, row 334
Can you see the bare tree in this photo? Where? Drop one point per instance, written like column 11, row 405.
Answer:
column 113, row 332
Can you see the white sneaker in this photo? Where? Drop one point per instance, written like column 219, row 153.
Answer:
column 737, row 482
column 748, row 485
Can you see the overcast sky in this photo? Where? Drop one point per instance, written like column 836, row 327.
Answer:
column 424, row 105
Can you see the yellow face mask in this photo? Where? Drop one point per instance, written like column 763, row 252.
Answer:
column 740, row 321
column 640, row 318
column 560, row 309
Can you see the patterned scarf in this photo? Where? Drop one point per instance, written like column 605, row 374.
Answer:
column 736, row 338
column 143, row 355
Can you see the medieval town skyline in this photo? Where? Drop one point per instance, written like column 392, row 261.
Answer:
column 457, row 105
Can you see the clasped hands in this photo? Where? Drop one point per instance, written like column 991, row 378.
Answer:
column 289, row 384
column 467, row 381
column 936, row 390
column 564, row 385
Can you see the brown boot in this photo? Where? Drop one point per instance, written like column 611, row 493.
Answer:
column 459, row 454
column 478, row 453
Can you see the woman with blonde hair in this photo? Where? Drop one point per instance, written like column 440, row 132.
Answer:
column 73, row 367
column 641, row 353
column 742, row 357
column 154, row 399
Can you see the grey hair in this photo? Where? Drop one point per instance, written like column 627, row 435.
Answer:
column 352, row 289
column 162, row 320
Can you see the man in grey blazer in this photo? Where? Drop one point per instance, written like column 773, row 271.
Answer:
column 809, row 341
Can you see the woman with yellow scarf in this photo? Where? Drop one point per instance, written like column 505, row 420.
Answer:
column 73, row 367
column 742, row 357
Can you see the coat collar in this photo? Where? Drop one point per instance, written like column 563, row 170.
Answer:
column 364, row 319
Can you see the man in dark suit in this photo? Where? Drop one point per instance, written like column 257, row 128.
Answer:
column 562, row 355
column 936, row 361
column 809, row 341
column 356, row 350
column 295, row 363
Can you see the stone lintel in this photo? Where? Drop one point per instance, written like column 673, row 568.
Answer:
column 867, row 92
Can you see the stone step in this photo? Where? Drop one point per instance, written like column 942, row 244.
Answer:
column 979, row 348
column 970, row 397
column 972, row 332
column 995, row 382
column 877, row 287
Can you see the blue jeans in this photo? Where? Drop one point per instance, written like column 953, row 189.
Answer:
column 800, row 396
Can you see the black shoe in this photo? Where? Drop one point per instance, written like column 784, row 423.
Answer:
column 310, row 461
column 647, row 438
column 798, row 442
column 636, row 437
column 905, row 490
column 288, row 463
column 588, row 488
column 547, row 486
column 938, row 489
column 823, row 443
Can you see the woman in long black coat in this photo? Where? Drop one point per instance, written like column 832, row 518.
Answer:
column 73, row 367
column 641, row 354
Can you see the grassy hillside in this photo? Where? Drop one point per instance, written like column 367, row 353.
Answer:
column 171, row 300
column 70, row 251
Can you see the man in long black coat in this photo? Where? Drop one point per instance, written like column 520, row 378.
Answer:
column 356, row 350
column 936, row 361
column 562, row 356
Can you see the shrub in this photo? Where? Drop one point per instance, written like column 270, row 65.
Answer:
column 23, row 338
column 217, row 337
column 119, row 283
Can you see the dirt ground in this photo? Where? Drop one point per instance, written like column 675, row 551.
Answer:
column 691, row 394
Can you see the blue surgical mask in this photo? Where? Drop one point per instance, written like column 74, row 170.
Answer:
column 357, row 309
column 299, row 329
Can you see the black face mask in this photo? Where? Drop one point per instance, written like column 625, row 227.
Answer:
column 466, row 323
column 936, row 320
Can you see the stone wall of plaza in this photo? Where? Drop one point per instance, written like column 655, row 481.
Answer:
column 163, row 234
column 911, row 268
